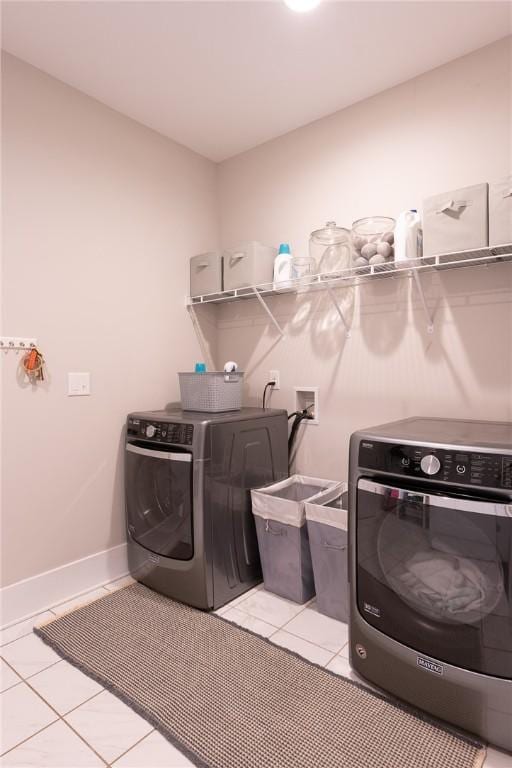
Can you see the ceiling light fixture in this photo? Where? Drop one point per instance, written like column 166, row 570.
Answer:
column 301, row 6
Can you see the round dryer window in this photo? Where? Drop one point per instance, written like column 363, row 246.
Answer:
column 442, row 564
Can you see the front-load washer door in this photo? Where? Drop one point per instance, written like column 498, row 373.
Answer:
column 159, row 500
column 435, row 573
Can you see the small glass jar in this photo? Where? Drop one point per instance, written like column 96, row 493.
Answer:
column 331, row 248
column 373, row 240
column 303, row 267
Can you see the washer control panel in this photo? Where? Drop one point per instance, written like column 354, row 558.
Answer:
column 161, row 431
column 489, row 470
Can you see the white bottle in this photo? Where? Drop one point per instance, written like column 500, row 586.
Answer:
column 283, row 267
column 408, row 236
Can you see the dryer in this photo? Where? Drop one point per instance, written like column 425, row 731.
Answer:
column 188, row 476
column 431, row 568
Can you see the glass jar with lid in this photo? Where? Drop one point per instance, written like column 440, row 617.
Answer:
column 373, row 240
column 331, row 248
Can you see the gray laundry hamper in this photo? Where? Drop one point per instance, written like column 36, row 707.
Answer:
column 327, row 519
column 282, row 533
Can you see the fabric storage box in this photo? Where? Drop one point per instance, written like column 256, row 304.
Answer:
column 456, row 221
column 211, row 392
column 249, row 264
column 327, row 522
column 205, row 274
column 500, row 212
column 283, row 535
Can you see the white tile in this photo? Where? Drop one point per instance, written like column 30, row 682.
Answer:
column 124, row 581
column 8, row 677
column 270, row 608
column 249, row 622
column 319, row 629
column 345, row 651
column 23, row 714
column 497, row 759
column 108, row 725
column 234, row 603
column 154, row 751
column 308, row 650
column 77, row 602
column 245, row 595
column 55, row 747
column 24, row 627
column 340, row 665
column 29, row 655
column 64, row 687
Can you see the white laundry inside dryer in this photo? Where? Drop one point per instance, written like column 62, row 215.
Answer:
column 444, row 577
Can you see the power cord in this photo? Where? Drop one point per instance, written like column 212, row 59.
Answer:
column 267, row 385
column 297, row 416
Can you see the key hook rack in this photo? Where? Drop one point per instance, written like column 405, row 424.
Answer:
column 16, row 343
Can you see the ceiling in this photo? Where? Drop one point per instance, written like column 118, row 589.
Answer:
column 221, row 77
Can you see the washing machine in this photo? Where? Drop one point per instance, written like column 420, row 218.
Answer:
column 190, row 529
column 431, row 568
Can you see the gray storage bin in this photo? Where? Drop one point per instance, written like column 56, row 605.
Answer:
column 456, row 221
column 250, row 264
column 211, row 392
column 283, row 535
column 327, row 522
column 500, row 212
column 205, row 274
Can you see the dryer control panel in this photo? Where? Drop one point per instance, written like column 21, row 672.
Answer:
column 489, row 470
column 160, row 431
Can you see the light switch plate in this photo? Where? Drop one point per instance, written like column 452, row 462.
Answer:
column 79, row 384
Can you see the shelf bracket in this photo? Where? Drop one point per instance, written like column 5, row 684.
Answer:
column 335, row 301
column 268, row 311
column 419, row 286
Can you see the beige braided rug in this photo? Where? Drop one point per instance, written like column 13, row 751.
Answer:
column 230, row 699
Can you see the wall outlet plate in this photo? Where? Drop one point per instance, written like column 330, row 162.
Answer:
column 274, row 376
column 307, row 397
column 79, row 384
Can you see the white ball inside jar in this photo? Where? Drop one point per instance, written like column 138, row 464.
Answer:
column 384, row 249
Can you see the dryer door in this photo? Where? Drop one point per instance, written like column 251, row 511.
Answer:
column 435, row 573
column 159, row 500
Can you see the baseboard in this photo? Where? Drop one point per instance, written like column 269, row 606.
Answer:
column 38, row 593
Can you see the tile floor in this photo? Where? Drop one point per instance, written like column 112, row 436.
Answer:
column 53, row 716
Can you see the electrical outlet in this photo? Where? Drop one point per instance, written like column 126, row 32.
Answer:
column 274, row 376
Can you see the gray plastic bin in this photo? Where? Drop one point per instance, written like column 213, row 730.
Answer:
column 211, row 391
column 282, row 533
column 327, row 519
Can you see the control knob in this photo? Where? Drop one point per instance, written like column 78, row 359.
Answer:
column 150, row 430
column 430, row 464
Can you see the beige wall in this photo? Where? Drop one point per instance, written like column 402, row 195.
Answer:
column 100, row 217
column 445, row 129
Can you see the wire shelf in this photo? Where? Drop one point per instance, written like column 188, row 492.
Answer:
column 361, row 275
